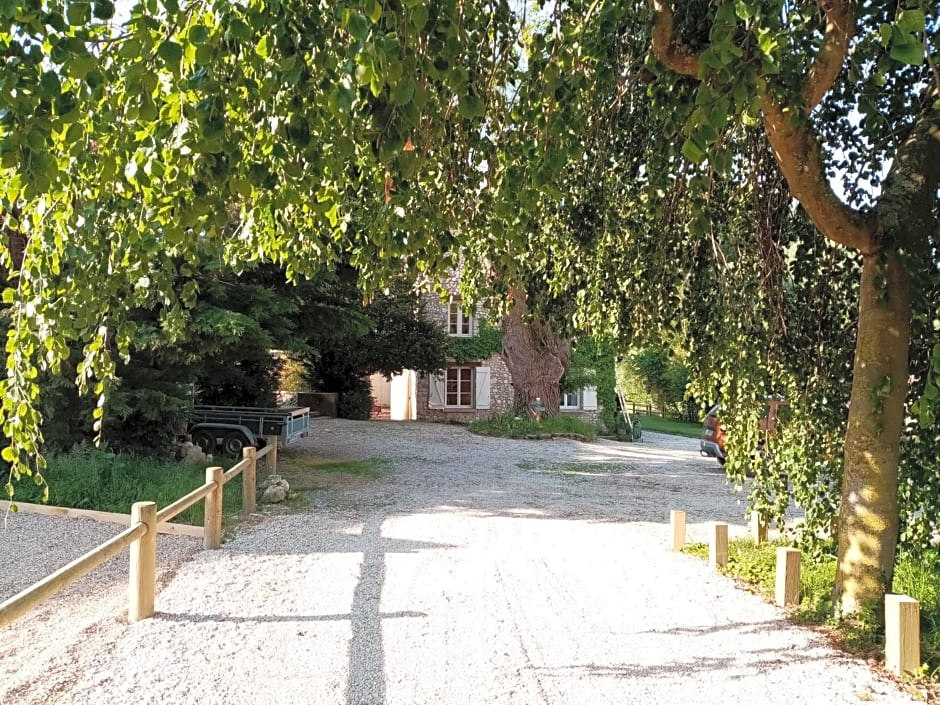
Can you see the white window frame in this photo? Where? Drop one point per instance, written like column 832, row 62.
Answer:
column 564, row 406
column 459, row 321
column 460, row 373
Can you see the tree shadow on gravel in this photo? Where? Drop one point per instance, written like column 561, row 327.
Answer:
column 751, row 664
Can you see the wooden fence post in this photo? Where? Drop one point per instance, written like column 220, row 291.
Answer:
column 758, row 527
column 270, row 461
column 249, row 479
column 677, row 521
column 143, row 565
column 213, row 521
column 902, row 634
column 718, row 545
column 787, row 585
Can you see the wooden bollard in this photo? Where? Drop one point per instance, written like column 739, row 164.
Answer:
column 787, row 585
column 758, row 527
column 143, row 566
column 270, row 460
column 677, row 522
column 213, row 520
column 718, row 545
column 249, row 479
column 902, row 634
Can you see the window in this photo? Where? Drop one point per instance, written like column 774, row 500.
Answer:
column 569, row 400
column 459, row 387
column 458, row 320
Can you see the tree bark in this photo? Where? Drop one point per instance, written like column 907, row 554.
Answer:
column 868, row 514
column 535, row 355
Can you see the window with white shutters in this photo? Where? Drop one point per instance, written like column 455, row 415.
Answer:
column 459, row 387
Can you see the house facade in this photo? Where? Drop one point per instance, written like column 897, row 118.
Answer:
column 475, row 384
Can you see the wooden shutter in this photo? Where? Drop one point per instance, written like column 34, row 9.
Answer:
column 435, row 392
column 589, row 398
column 483, row 387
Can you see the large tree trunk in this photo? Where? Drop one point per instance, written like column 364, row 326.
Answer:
column 535, row 355
column 868, row 516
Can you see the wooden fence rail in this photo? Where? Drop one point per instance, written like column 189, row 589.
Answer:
column 141, row 539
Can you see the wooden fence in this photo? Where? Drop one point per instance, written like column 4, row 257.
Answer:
column 902, row 613
column 141, row 539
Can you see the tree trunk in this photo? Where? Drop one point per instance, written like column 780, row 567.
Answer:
column 535, row 355
column 868, row 516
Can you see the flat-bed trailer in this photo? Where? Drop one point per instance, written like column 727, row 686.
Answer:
column 230, row 429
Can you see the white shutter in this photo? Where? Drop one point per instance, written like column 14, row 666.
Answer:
column 435, row 392
column 483, row 387
column 589, row 398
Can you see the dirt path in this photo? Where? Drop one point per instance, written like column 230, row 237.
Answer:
column 471, row 570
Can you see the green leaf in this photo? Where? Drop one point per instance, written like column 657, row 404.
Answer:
column 358, row 26
column 911, row 21
column 8, row 454
column 693, row 152
column 419, row 17
column 171, row 53
column 103, row 9
column 373, row 10
column 198, row 34
column 911, row 53
column 471, row 106
column 261, row 48
column 403, row 92
column 78, row 13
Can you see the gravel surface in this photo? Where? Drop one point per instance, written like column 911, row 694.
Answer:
column 474, row 570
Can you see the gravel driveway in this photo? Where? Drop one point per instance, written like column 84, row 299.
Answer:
column 473, row 571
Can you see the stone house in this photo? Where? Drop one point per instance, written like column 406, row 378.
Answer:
column 467, row 390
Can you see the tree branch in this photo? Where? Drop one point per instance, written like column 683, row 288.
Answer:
column 665, row 46
column 800, row 157
column 906, row 209
column 840, row 27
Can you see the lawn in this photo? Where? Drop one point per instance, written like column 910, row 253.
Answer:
column 658, row 424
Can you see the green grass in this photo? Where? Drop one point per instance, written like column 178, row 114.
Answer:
column 90, row 478
column 301, row 462
column 756, row 567
column 511, row 426
column 658, row 424
column 576, row 468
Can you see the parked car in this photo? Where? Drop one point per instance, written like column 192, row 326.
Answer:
column 712, row 444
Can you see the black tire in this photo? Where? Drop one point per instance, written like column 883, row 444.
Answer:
column 721, row 461
column 233, row 443
column 205, row 439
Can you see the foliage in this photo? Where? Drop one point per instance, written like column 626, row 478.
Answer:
column 665, row 378
column 96, row 478
column 511, row 426
column 487, row 342
column 391, row 334
column 592, row 365
column 629, row 382
column 126, row 150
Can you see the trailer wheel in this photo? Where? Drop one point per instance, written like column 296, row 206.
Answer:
column 205, row 439
column 233, row 443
